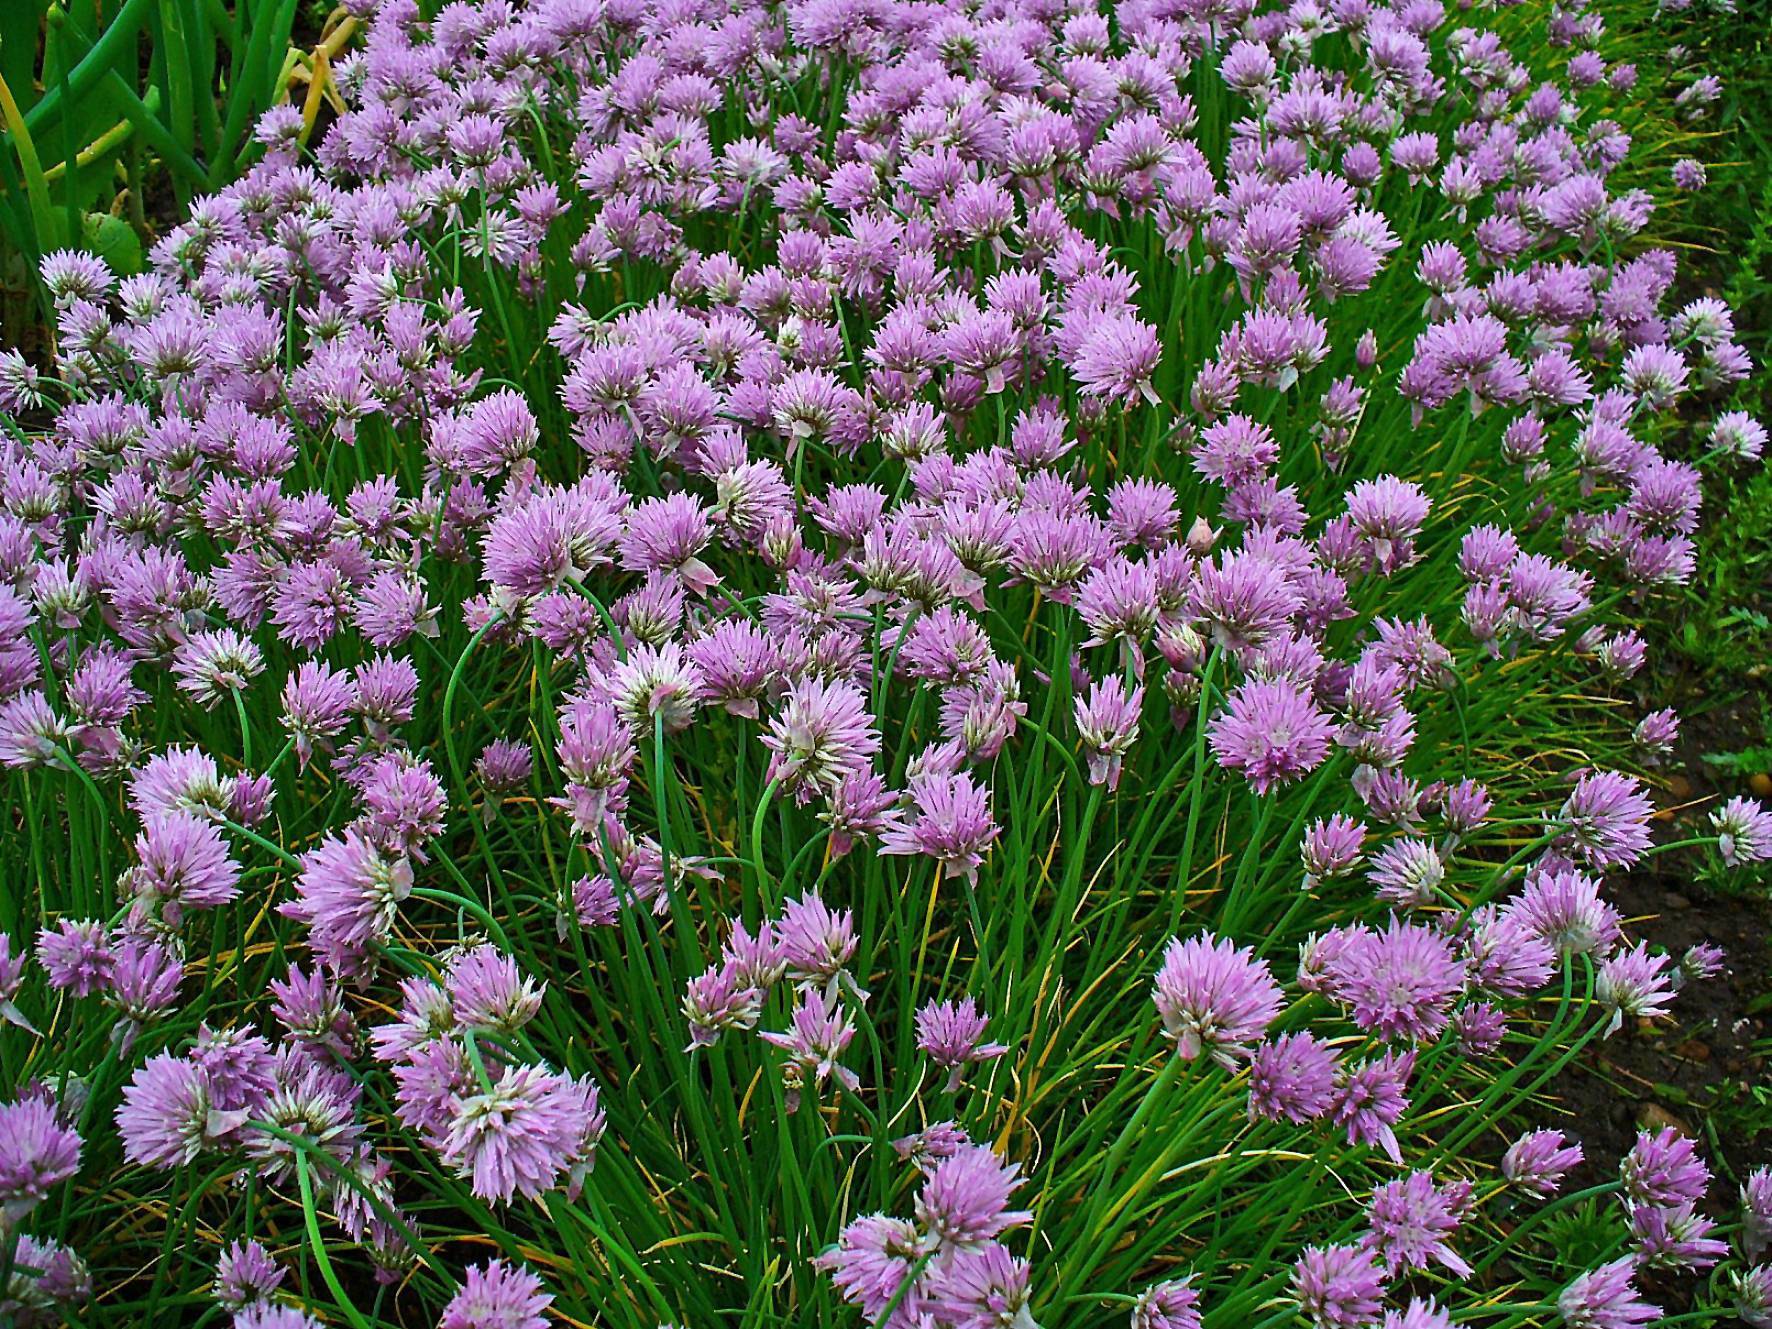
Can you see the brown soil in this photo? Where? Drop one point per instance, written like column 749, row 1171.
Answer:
column 1692, row 1071
column 1697, row 1071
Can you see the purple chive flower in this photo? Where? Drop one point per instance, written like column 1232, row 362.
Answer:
column 1538, row 1161
column 347, row 893
column 1292, row 1079
column 245, row 1275
column 37, row 1152
column 317, row 704
column 1370, row 1100
column 737, row 663
column 497, row 1295
column 77, row 956
column 759, row 958
column 1399, row 983
column 667, row 534
column 1565, row 909
column 426, row 1014
column 1387, row 514
column 1507, row 955
column 811, row 941
column 1235, row 450
column 1657, row 733
column 823, row 735
column 1338, row 1287
column 1214, row 997
column 1409, row 1221
column 1116, row 357
column 874, row 1258
column 1664, row 1169
column 522, row 1135
column 1481, row 1028
column 1167, row 1305
column 720, row 1000
column 504, row 766
column 655, row 684
column 180, row 780
column 387, row 694
column 164, row 1118
column 310, row 1007
column 1271, row 732
column 30, row 731
column 1605, row 821
column 965, row 1199
column 1674, row 1238
column 950, row 822
column 1107, row 724
column 306, row 1098
column 931, row 1144
column 1753, row 1294
column 1701, row 961
column 987, row 1286
column 212, row 665
column 1634, row 983
column 239, row 1064
column 489, row 994
column 144, row 984
column 1331, row 848
column 1756, row 1212
column 49, row 1283
column 182, row 864
column 952, row 1034
column 1418, row 1314
column 1606, row 1298
column 818, row 1033
column 1246, row 599
column 1737, row 434
column 1744, row 831
column 1465, row 807
column 861, row 807
column 273, row 1315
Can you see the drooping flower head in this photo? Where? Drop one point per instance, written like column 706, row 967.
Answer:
column 1744, row 831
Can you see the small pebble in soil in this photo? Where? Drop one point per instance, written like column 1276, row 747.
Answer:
column 1654, row 1117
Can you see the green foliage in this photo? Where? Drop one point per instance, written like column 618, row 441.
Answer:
column 110, row 103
